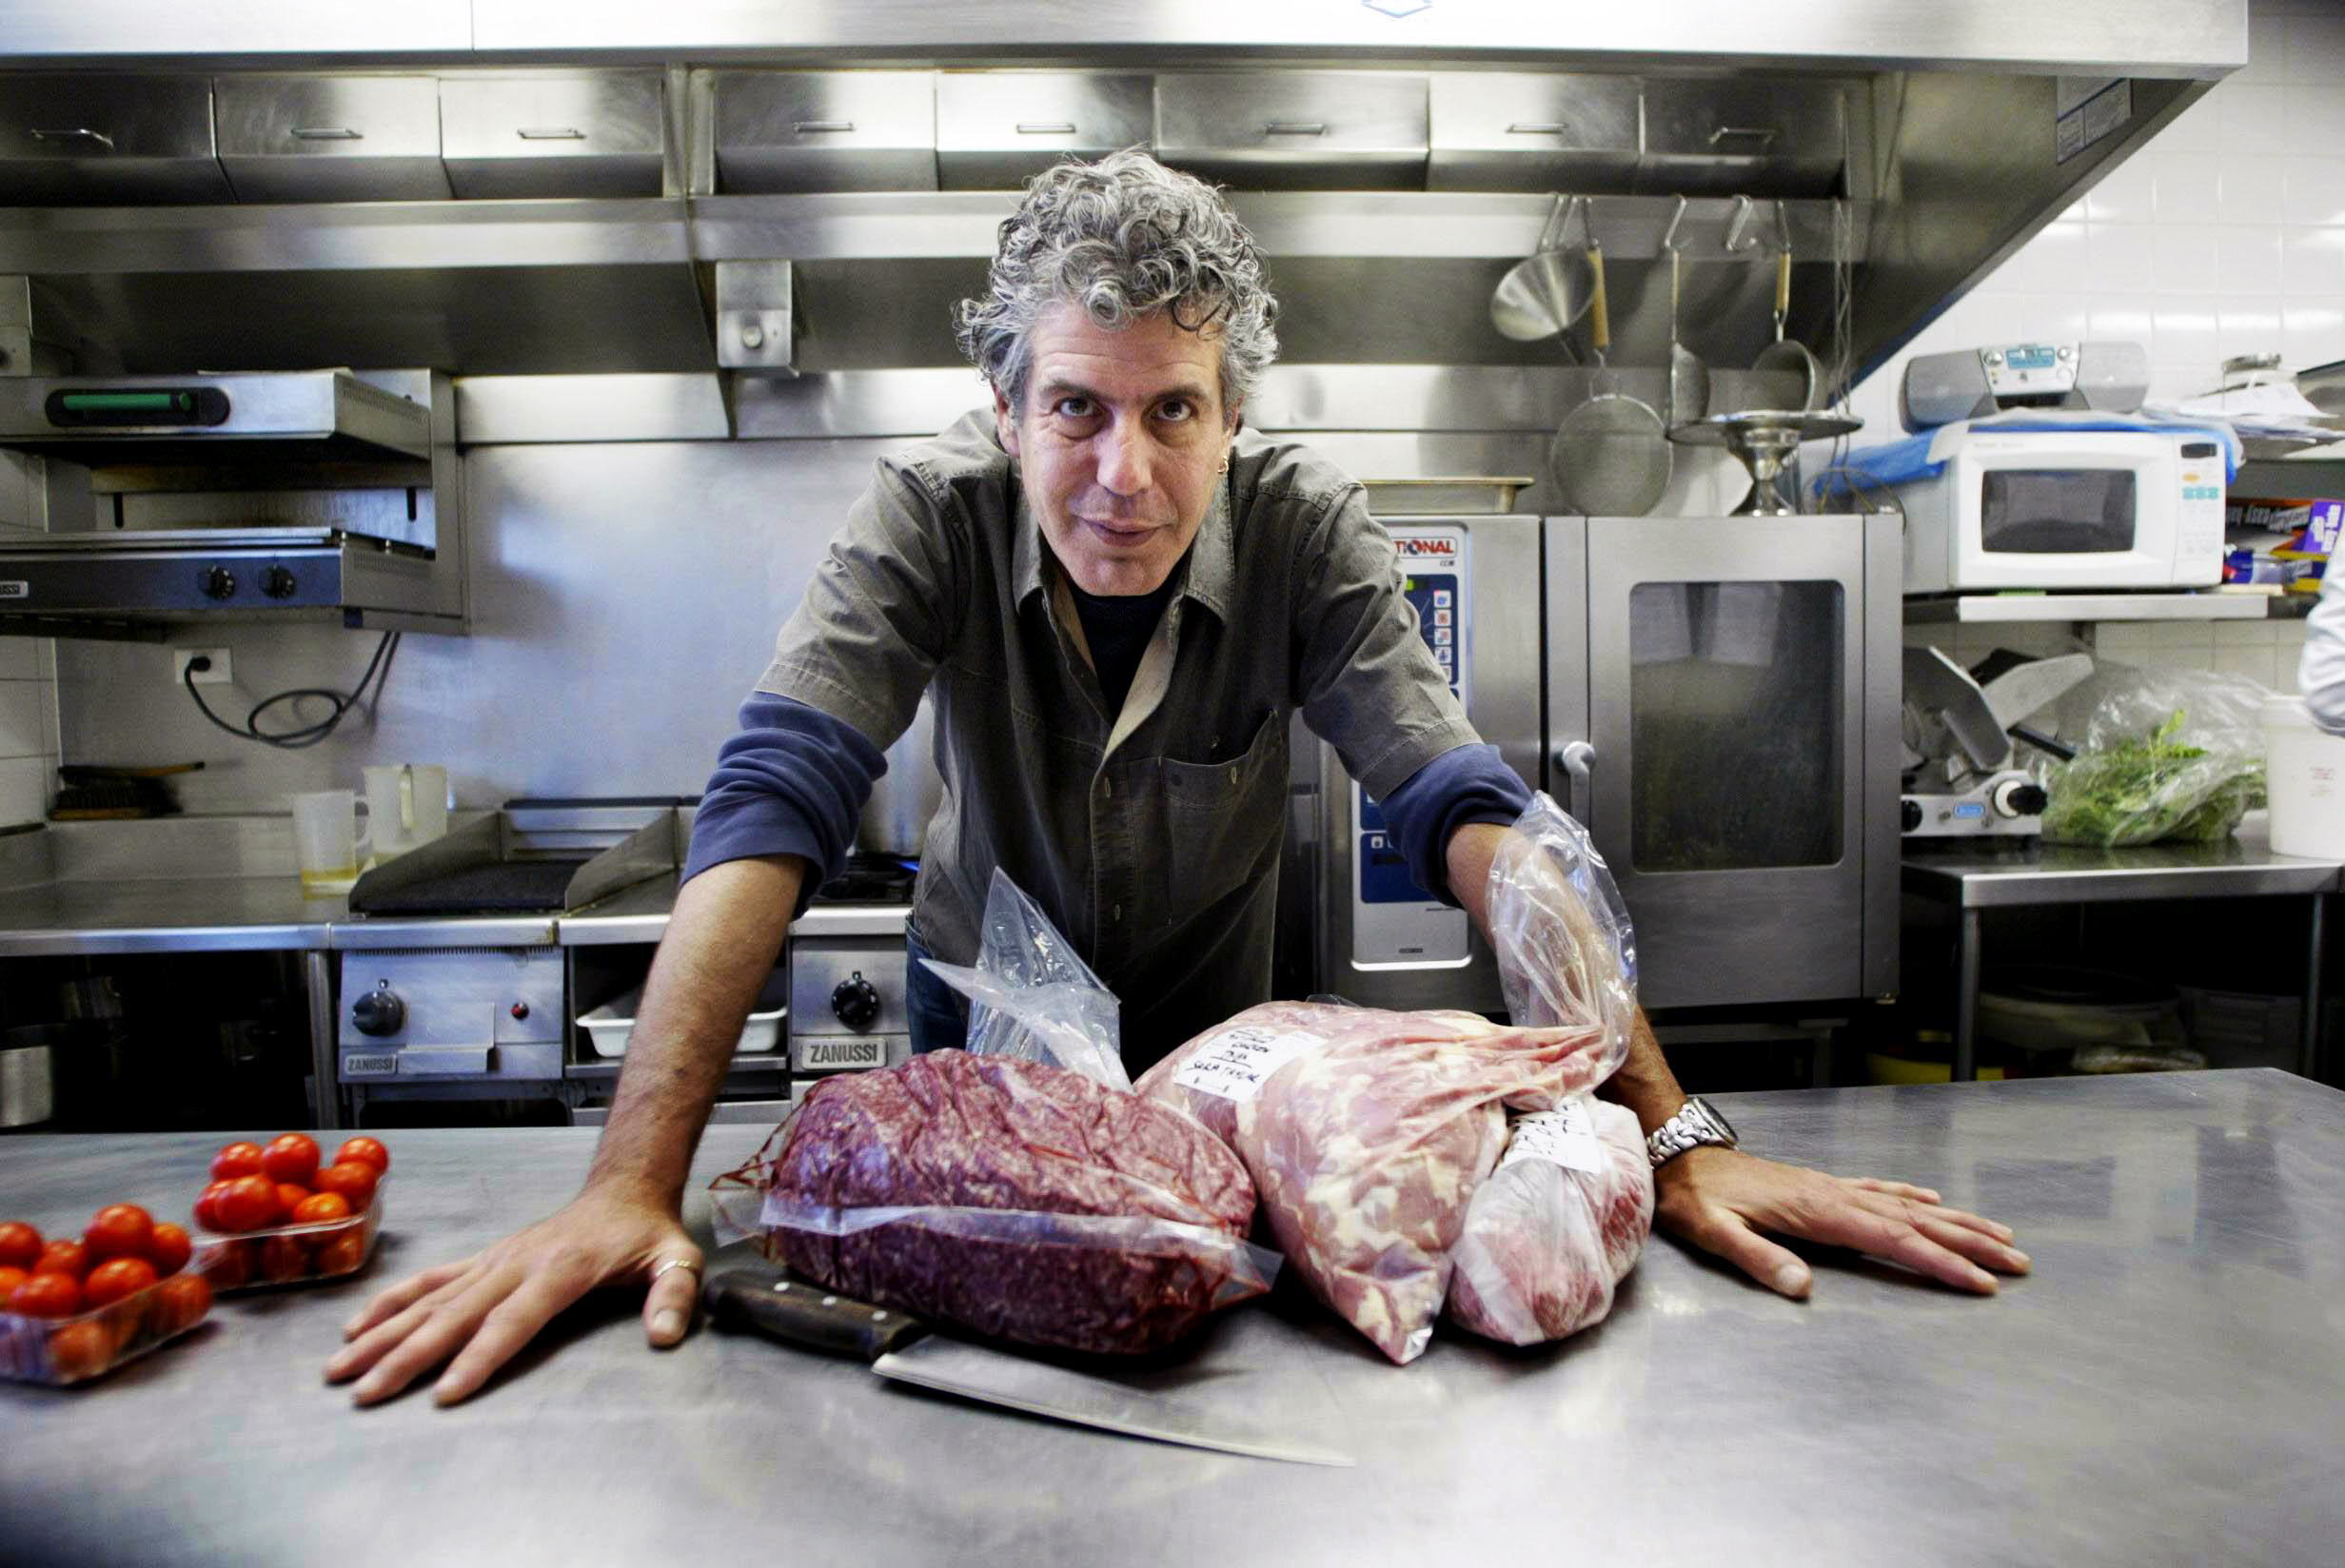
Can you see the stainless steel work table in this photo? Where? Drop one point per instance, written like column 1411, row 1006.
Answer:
column 2166, row 1387
column 66, row 916
column 2006, row 874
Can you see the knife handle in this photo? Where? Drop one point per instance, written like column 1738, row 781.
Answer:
column 806, row 1315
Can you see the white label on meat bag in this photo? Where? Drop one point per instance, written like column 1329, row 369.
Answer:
column 1240, row 1061
column 1567, row 1137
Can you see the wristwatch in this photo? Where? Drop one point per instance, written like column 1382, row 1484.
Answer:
column 1695, row 1123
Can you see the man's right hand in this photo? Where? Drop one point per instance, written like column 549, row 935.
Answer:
column 483, row 1309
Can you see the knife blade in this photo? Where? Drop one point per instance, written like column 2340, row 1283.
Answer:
column 903, row 1349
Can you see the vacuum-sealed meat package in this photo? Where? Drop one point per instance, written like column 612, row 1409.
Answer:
column 1009, row 1196
column 1557, row 1225
column 1367, row 1133
column 1564, row 1217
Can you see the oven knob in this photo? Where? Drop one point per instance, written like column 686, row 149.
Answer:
column 855, row 1001
column 217, row 582
column 1908, row 814
column 380, row 1011
column 278, row 583
column 2013, row 799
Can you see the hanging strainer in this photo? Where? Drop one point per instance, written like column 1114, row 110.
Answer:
column 1611, row 457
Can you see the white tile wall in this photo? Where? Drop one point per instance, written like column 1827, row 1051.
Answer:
column 2225, row 235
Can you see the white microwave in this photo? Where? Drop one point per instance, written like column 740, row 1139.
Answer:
column 2066, row 509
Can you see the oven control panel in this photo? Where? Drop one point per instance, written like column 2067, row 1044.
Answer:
column 450, row 1013
column 1394, row 922
column 847, row 1006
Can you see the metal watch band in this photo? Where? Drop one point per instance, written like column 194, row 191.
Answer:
column 1694, row 1125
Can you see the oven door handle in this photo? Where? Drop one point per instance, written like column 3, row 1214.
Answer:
column 1576, row 759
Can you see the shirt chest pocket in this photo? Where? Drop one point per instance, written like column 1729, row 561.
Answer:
column 1222, row 822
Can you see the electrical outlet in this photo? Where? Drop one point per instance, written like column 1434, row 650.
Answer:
column 216, row 675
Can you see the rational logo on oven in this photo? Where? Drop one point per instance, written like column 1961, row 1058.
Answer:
column 15, row 590
column 845, row 1053
column 370, row 1066
column 1427, row 549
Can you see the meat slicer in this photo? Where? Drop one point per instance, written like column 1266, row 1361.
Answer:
column 1960, row 781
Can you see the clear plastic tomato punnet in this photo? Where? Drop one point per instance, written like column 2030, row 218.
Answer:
column 45, row 1350
column 247, row 1259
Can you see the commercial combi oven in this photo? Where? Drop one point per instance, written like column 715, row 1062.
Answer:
column 1715, row 698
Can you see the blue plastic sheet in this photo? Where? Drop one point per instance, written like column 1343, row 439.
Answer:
column 1926, row 454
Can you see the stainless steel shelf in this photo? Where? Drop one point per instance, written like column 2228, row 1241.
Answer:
column 2004, row 608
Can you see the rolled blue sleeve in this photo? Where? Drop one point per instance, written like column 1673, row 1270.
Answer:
column 1462, row 784
column 791, row 781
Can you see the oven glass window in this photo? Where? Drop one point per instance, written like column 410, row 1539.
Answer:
column 2055, row 511
column 1737, row 742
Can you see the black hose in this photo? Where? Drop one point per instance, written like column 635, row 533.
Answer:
column 377, row 671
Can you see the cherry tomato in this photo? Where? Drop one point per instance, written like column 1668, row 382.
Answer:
column 179, row 1303
column 344, row 1253
column 120, row 1230
column 237, row 1160
column 168, row 1248
column 248, row 1203
column 115, row 1278
column 291, row 1158
column 284, row 1258
column 291, row 1195
column 47, row 1296
column 228, row 1265
column 10, row 1277
column 321, row 1205
column 366, row 1151
column 68, row 1258
column 207, row 1206
column 80, row 1350
column 353, row 1180
column 20, row 1244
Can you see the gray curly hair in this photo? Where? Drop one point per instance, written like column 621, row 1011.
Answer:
column 1124, row 238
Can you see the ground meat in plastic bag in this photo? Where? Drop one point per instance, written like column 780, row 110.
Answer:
column 1367, row 1133
column 1115, row 1225
column 1546, row 1240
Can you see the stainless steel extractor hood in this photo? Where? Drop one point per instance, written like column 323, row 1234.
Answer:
column 1919, row 144
column 291, row 494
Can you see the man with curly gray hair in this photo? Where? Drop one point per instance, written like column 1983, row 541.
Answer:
column 1114, row 597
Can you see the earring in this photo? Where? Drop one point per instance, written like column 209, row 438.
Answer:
column 1224, row 464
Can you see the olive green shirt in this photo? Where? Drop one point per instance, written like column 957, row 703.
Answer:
column 1150, row 835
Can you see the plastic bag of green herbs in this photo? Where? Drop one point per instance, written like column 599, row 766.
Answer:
column 2166, row 756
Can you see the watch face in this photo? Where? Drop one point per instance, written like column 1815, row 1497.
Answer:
column 1710, row 1113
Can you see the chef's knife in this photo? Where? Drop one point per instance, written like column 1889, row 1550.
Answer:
column 902, row 1348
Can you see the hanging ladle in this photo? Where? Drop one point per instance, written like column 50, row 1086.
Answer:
column 1689, row 378
column 1789, row 357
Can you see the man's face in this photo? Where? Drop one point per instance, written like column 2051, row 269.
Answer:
column 1119, row 445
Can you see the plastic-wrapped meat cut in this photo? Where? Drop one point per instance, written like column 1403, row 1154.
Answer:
column 1013, row 1197
column 1557, row 1226
column 1367, row 1133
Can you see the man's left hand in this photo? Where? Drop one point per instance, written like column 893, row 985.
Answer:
column 1722, row 1198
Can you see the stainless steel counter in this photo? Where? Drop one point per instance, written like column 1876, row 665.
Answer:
column 1989, row 876
column 2008, row 875
column 2163, row 1389
column 181, row 915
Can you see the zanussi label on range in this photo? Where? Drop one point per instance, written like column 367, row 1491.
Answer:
column 370, row 1066
column 843, row 1053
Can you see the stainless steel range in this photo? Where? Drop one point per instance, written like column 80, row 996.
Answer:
column 847, row 992
column 454, row 984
